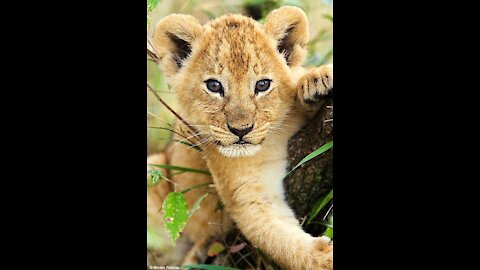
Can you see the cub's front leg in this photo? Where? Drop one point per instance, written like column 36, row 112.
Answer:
column 315, row 84
column 253, row 196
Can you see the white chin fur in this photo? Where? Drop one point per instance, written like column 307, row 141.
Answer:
column 239, row 150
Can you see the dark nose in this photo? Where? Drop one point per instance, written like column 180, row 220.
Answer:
column 240, row 132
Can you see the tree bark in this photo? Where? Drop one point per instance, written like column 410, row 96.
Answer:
column 309, row 182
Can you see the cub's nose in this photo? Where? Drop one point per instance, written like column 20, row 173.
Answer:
column 240, row 132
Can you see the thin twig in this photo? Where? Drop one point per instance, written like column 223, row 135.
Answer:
column 171, row 130
column 151, row 52
column 328, row 120
column 168, row 180
column 154, row 116
column 165, row 92
column 329, row 209
column 228, row 256
column 303, row 220
column 244, row 257
column 190, row 145
column 171, row 110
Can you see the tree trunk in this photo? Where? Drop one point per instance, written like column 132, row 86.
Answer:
column 310, row 181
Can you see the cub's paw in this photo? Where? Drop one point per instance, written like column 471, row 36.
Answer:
column 316, row 83
column 323, row 250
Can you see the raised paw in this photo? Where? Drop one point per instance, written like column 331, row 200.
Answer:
column 316, row 83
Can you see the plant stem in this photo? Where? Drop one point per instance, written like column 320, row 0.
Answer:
column 171, row 110
column 196, row 186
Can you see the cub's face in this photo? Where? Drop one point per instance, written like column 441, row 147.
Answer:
column 232, row 75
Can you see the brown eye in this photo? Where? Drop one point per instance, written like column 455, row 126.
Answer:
column 262, row 85
column 214, row 86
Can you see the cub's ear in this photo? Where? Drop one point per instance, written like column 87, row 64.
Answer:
column 288, row 26
column 173, row 38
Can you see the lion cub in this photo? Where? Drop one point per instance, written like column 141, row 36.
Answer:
column 241, row 85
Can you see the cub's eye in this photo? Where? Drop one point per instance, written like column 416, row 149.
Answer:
column 262, row 85
column 214, row 86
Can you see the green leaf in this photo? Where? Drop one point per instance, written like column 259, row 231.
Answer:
column 318, row 206
column 155, row 177
column 178, row 168
column 175, row 214
column 329, row 231
column 196, row 206
column 328, row 17
column 215, row 249
column 152, row 3
column 315, row 153
column 209, row 267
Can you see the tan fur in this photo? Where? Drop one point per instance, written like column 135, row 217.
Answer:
column 238, row 51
